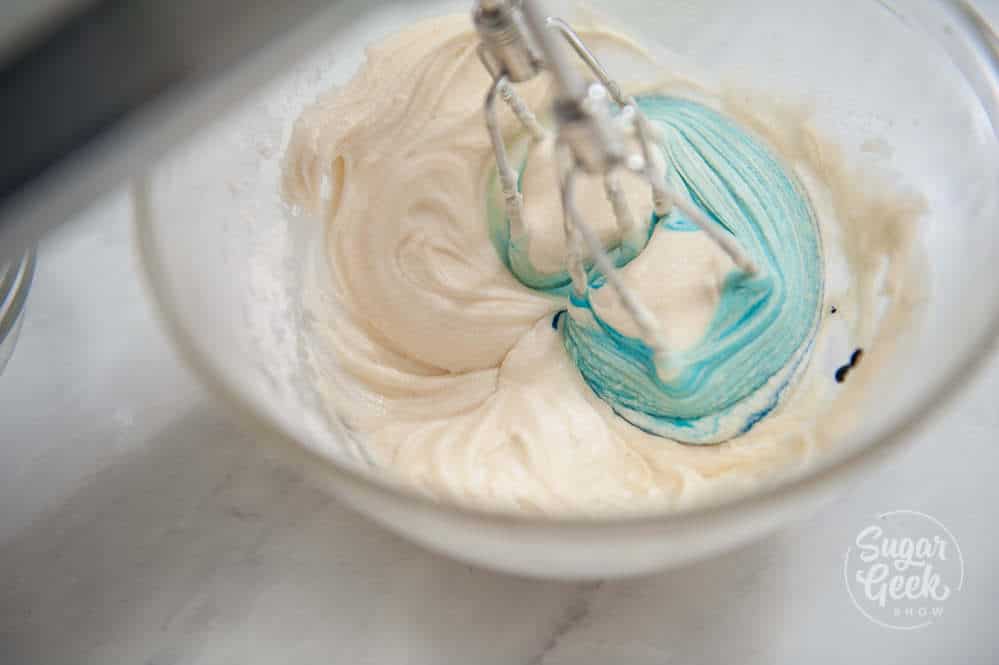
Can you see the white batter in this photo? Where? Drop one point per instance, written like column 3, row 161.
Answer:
column 457, row 382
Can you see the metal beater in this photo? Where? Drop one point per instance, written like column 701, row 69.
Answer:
column 517, row 42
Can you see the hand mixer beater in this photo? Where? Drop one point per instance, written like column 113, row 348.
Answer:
column 517, row 42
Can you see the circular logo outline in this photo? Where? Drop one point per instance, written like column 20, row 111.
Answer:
column 846, row 573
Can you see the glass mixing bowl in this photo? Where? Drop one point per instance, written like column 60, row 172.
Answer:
column 225, row 257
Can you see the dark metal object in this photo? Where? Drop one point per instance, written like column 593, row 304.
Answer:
column 95, row 98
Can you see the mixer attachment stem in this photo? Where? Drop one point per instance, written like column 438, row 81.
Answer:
column 517, row 42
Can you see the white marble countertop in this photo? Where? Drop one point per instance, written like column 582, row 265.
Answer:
column 137, row 525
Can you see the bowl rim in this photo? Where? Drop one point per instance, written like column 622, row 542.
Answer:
column 983, row 39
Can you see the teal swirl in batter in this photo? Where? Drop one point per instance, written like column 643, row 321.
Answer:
column 763, row 327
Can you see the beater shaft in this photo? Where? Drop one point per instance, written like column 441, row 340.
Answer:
column 518, row 40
